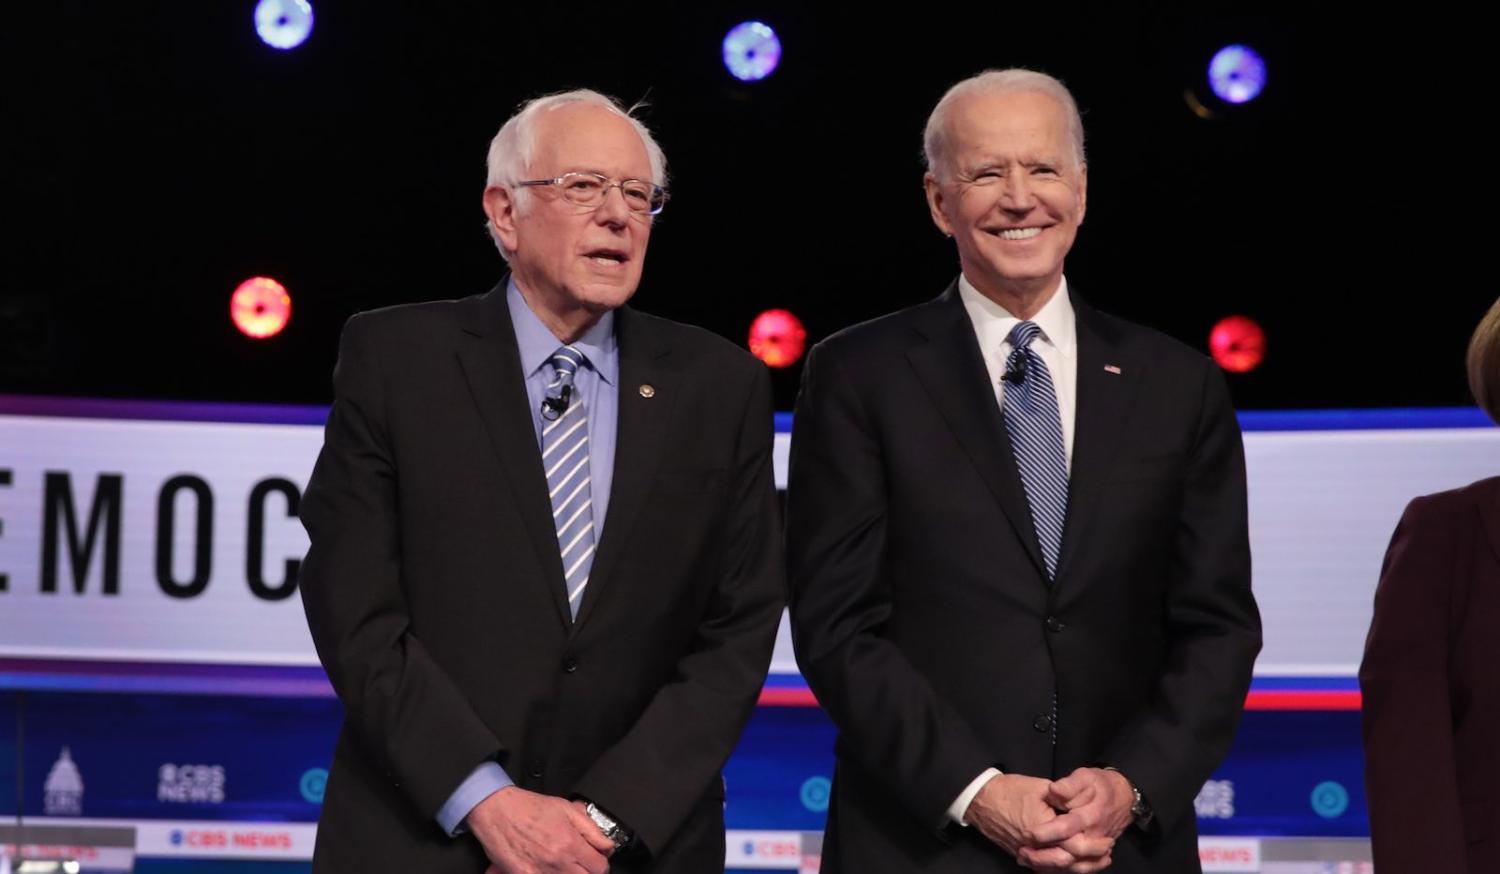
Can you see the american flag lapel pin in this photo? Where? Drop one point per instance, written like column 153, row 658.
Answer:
column 1112, row 368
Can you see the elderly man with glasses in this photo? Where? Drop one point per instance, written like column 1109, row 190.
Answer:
column 545, row 572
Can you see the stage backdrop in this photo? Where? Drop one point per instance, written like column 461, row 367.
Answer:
column 150, row 551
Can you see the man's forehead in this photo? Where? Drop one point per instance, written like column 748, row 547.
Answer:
column 976, row 155
column 1017, row 112
column 1010, row 136
column 596, row 141
column 1031, row 154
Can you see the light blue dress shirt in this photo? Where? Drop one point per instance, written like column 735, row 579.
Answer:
column 598, row 384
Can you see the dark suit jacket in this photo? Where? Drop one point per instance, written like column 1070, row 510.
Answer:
column 922, row 616
column 435, row 595
column 1431, row 685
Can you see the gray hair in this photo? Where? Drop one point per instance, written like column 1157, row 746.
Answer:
column 514, row 145
column 992, row 83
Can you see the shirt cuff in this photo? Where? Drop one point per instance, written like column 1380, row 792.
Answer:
column 484, row 781
column 960, row 805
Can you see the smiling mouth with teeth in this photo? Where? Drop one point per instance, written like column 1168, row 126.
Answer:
column 1018, row 233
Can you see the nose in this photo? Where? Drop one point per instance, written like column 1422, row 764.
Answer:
column 613, row 212
column 1016, row 194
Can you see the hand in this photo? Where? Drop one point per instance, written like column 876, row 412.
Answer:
column 1088, row 855
column 1008, row 811
column 1097, row 805
column 583, row 808
column 526, row 833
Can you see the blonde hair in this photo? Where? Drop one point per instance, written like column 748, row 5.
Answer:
column 1484, row 362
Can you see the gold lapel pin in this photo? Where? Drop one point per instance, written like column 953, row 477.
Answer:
column 648, row 390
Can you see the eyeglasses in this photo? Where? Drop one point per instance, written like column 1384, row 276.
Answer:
column 590, row 189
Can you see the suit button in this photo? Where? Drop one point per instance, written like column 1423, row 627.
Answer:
column 1042, row 723
column 1054, row 624
column 569, row 665
column 536, row 769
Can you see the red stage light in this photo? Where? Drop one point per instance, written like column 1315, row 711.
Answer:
column 260, row 307
column 777, row 338
column 1238, row 344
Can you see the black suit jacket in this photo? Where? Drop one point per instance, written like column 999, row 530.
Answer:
column 1431, row 688
column 434, row 589
column 922, row 616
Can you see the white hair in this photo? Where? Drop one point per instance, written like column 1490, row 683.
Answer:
column 994, row 83
column 514, row 145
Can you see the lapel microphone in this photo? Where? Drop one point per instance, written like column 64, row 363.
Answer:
column 1015, row 375
column 552, row 408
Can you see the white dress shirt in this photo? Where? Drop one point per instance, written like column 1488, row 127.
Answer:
column 1057, row 345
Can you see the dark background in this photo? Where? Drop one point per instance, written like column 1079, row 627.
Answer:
column 157, row 154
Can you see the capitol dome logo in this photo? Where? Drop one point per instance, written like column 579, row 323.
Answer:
column 63, row 792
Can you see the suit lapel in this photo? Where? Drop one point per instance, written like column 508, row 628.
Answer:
column 491, row 365
column 952, row 371
column 645, row 417
column 1104, row 400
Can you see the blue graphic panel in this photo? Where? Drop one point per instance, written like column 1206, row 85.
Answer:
column 245, row 759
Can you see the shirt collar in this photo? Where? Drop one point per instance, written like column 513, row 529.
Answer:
column 993, row 322
column 536, row 342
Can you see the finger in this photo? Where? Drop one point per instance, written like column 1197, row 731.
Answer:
column 593, row 863
column 1056, row 798
column 1045, row 858
column 1091, row 794
column 590, row 831
column 1074, row 783
column 1080, row 786
column 1090, row 866
column 1055, row 831
column 1070, row 792
column 1088, row 846
column 597, row 841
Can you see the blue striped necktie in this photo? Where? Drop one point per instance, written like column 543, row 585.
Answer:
column 1034, row 426
column 565, row 458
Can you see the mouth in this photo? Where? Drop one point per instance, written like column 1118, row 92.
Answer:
column 1016, row 234
column 607, row 257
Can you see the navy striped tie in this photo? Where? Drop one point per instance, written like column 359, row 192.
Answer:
column 565, row 458
column 1029, row 405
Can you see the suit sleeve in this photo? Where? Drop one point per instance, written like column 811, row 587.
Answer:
column 652, row 779
column 1212, row 623
column 891, row 721
column 405, row 713
column 1410, row 781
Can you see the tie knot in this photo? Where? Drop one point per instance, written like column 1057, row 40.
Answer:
column 1022, row 334
column 565, row 362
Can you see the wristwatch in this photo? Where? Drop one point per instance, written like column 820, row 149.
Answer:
column 612, row 830
column 1140, row 811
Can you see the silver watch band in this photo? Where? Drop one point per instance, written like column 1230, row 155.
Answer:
column 1140, row 812
column 607, row 824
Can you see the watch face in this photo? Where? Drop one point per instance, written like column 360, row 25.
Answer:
column 1141, row 811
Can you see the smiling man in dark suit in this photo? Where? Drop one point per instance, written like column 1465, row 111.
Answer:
column 1017, row 540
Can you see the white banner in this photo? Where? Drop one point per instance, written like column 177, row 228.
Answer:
column 165, row 541
column 284, row 841
column 153, row 541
